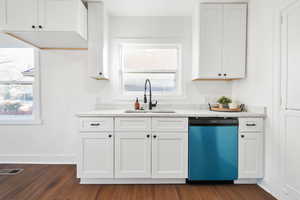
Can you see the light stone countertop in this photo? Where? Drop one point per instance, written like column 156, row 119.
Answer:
column 178, row 113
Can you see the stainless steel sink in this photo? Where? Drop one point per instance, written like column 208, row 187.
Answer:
column 150, row 111
column 161, row 111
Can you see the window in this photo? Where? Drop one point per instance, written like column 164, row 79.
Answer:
column 18, row 85
column 160, row 63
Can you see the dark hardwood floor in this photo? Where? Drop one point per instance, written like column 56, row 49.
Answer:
column 58, row 182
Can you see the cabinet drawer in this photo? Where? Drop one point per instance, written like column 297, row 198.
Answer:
column 96, row 124
column 133, row 124
column 251, row 124
column 169, row 124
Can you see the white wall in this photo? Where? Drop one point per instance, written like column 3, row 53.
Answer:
column 256, row 89
column 262, row 84
column 66, row 90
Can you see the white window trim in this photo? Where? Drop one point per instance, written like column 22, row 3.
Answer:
column 36, row 96
column 117, row 57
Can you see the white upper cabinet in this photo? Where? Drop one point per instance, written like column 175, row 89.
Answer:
column 219, row 50
column 46, row 23
column 98, row 41
column 2, row 13
column 234, row 40
column 211, row 20
column 19, row 15
column 59, row 15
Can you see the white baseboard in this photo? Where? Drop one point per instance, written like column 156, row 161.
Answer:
column 133, row 181
column 37, row 159
column 246, row 181
column 271, row 190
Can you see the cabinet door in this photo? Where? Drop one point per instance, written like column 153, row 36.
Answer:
column 98, row 41
column 169, row 155
column 2, row 14
column 210, row 61
column 96, row 160
column 133, row 155
column 58, row 15
column 251, row 155
column 20, row 15
column 234, row 42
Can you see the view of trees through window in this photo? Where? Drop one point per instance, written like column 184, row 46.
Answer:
column 16, row 83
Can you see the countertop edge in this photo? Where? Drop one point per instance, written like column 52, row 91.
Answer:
column 174, row 115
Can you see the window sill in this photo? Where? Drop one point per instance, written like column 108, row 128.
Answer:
column 21, row 123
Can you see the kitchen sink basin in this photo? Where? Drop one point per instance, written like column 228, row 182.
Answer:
column 162, row 111
column 150, row 111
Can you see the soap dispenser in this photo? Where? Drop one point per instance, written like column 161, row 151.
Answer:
column 137, row 104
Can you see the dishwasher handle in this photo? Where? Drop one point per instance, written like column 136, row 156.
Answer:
column 215, row 121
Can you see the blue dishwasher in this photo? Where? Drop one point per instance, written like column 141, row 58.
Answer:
column 213, row 149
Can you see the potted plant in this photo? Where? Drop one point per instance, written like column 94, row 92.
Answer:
column 224, row 101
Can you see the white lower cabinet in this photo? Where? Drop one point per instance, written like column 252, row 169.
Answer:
column 97, row 153
column 133, row 155
column 169, row 155
column 154, row 150
column 250, row 155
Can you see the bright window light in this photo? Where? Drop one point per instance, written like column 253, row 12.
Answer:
column 160, row 63
column 17, row 80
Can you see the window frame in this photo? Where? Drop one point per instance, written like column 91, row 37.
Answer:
column 163, row 43
column 36, row 114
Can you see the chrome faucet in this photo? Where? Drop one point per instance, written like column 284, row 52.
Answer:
column 151, row 105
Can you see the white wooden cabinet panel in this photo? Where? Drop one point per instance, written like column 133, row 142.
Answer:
column 46, row 23
column 2, row 13
column 133, row 124
column 250, row 155
column 133, row 155
column 169, row 124
column 98, row 41
column 220, row 35
column 234, row 40
column 97, row 155
column 97, row 124
column 210, row 51
column 20, row 15
column 291, row 58
column 251, row 124
column 169, row 155
column 53, row 17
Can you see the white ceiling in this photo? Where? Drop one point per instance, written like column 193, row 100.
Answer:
column 149, row 7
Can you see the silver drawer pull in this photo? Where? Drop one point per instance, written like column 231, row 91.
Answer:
column 250, row 124
column 95, row 124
